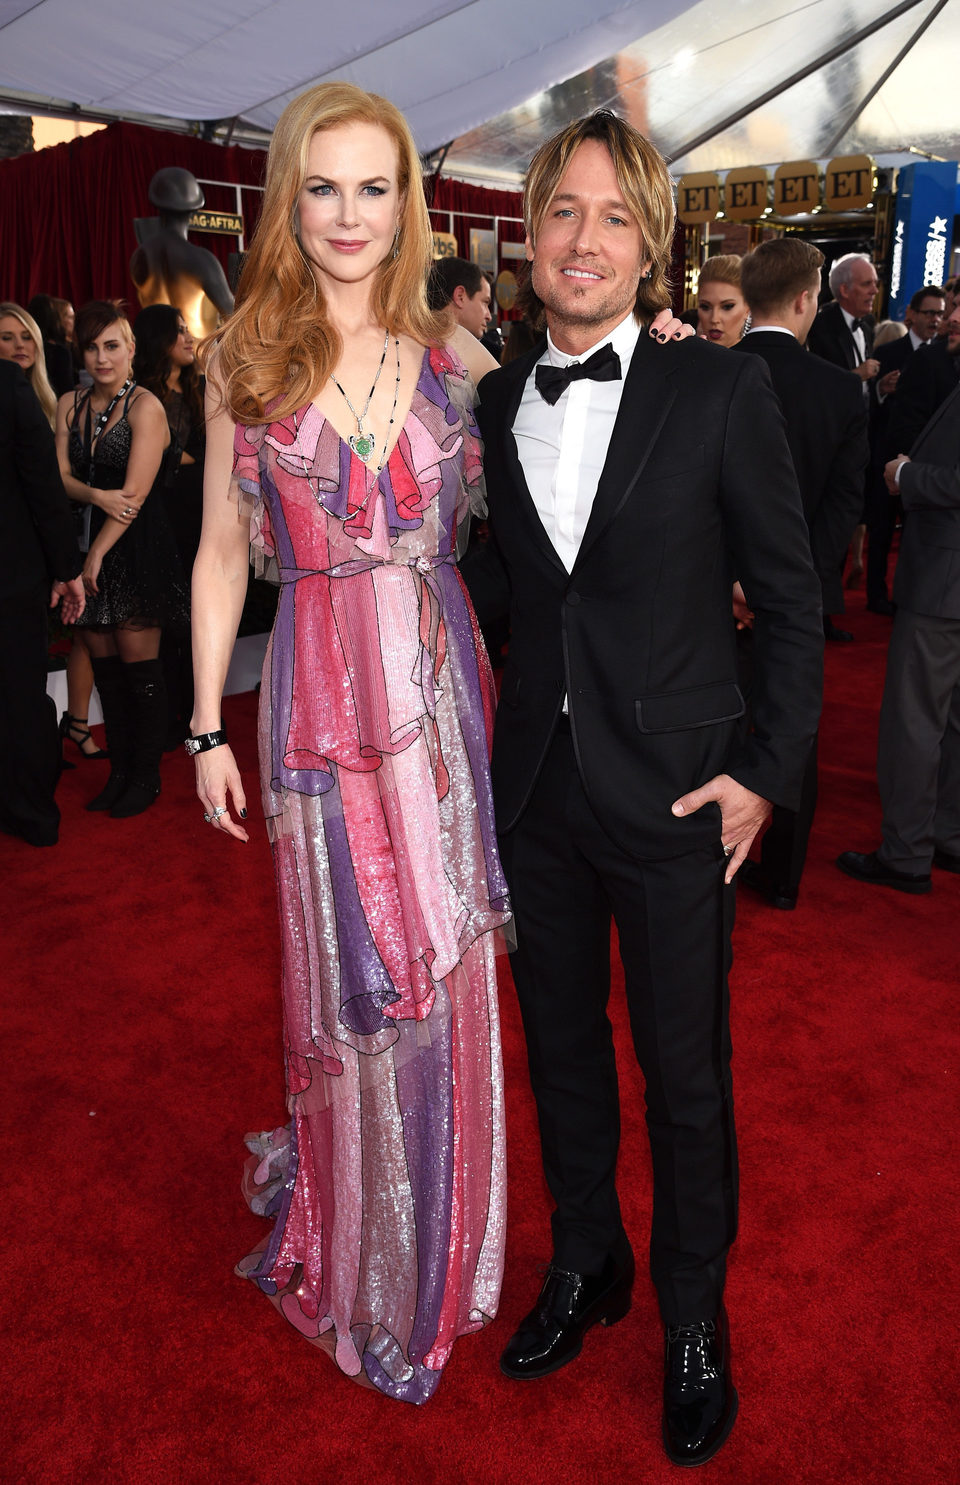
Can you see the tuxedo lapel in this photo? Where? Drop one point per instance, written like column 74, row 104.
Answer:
column 519, row 371
column 648, row 395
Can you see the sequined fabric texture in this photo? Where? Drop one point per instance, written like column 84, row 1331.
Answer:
column 387, row 1188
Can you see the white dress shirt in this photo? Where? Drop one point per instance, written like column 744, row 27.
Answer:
column 859, row 339
column 778, row 329
column 563, row 448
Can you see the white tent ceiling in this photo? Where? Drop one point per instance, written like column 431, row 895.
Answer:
column 715, row 84
column 448, row 64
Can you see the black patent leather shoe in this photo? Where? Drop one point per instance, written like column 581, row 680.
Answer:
column 699, row 1399
column 867, row 867
column 752, row 875
column 552, row 1334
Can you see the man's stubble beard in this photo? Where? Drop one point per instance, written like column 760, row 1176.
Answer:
column 614, row 306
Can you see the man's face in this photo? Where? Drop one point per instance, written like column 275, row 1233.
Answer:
column 473, row 310
column 925, row 322
column 953, row 331
column 589, row 253
column 858, row 295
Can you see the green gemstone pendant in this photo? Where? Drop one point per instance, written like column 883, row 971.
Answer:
column 363, row 445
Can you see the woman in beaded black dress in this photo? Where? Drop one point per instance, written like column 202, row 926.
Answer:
column 112, row 440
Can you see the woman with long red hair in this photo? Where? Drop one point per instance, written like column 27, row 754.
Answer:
column 341, row 441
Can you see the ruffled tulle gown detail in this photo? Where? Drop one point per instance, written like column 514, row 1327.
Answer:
column 387, row 1188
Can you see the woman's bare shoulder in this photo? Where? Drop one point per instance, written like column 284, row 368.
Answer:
column 475, row 357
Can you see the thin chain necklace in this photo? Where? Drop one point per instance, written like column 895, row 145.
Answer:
column 363, row 444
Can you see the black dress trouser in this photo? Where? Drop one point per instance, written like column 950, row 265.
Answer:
column 29, row 740
column 674, row 918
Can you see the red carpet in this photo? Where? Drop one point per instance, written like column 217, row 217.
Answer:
column 142, row 1042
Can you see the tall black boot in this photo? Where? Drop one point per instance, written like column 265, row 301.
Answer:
column 148, row 696
column 111, row 682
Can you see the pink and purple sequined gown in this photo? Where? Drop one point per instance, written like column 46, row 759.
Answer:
column 387, row 1188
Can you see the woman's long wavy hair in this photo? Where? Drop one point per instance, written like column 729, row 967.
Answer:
column 37, row 375
column 156, row 330
column 279, row 342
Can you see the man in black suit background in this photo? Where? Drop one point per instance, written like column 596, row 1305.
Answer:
column 843, row 329
column 628, row 484
column 918, row 751
column 842, row 333
column 827, row 433
column 923, row 317
column 925, row 382
column 44, row 566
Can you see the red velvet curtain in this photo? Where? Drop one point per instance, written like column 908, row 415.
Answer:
column 480, row 206
column 66, row 213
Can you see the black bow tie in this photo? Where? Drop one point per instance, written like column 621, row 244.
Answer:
column 602, row 366
column 857, row 325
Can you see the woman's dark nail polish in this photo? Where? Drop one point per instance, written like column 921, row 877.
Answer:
column 243, row 814
column 662, row 338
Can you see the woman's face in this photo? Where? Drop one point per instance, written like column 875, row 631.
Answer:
column 68, row 319
column 183, row 352
column 16, row 343
column 349, row 203
column 108, row 356
column 722, row 312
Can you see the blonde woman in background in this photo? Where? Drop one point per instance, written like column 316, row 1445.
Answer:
column 722, row 311
column 22, row 343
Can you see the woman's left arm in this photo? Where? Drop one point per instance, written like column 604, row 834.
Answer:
column 151, row 435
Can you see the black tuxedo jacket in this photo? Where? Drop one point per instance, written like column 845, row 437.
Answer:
column 895, row 354
column 892, row 357
column 38, row 526
column 830, row 338
column 927, row 379
column 698, row 485
column 928, row 568
column 827, row 433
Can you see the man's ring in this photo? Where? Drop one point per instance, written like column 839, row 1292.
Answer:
column 728, row 850
column 221, row 809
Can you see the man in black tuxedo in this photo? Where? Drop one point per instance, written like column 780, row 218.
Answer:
column 918, row 752
column 843, row 330
column 925, row 382
column 827, row 433
column 628, row 484
column 44, row 565
column 842, row 333
column 923, row 316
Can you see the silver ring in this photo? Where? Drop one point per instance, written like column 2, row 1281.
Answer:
column 128, row 510
column 221, row 809
column 729, row 850
column 207, row 817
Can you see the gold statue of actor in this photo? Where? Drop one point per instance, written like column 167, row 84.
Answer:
column 169, row 269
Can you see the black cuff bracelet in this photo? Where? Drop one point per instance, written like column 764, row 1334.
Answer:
column 205, row 741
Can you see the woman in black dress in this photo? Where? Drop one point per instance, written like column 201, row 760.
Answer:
column 111, row 441
column 165, row 363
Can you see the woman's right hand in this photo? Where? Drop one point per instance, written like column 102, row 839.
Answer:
column 116, row 504
column 217, row 777
column 91, row 571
